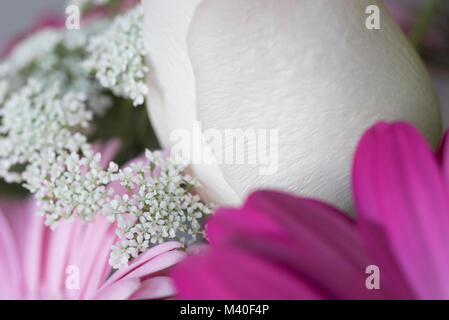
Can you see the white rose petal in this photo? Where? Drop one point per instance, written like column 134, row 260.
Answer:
column 309, row 68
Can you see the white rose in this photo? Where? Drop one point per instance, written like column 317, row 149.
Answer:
column 309, row 68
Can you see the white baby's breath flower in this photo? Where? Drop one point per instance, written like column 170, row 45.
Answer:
column 38, row 46
column 47, row 100
column 55, row 56
column 3, row 90
column 159, row 207
column 34, row 121
column 40, row 147
column 38, row 131
column 70, row 191
column 117, row 57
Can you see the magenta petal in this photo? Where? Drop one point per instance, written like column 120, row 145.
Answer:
column 227, row 222
column 302, row 244
column 443, row 155
column 330, row 250
column 233, row 273
column 400, row 193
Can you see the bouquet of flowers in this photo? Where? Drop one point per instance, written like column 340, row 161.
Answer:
column 223, row 150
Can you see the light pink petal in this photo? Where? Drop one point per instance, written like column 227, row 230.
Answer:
column 10, row 267
column 120, row 290
column 144, row 258
column 402, row 196
column 77, row 231
column 42, row 252
column 153, row 263
column 18, row 212
column 35, row 256
column 101, row 269
column 88, row 249
column 155, row 288
column 108, row 150
column 95, row 249
column 56, row 255
column 160, row 264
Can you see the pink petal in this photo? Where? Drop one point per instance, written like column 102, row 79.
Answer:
column 56, row 255
column 108, row 150
column 155, row 288
column 401, row 195
column 94, row 248
column 143, row 259
column 227, row 222
column 159, row 264
column 310, row 245
column 10, row 267
column 34, row 262
column 232, row 273
column 120, row 290
column 443, row 155
column 83, row 245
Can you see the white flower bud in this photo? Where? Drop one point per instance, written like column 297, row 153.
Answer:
column 308, row 68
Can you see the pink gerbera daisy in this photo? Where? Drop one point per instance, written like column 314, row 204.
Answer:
column 278, row 246
column 72, row 261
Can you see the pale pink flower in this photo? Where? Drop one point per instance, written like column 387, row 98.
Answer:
column 38, row 263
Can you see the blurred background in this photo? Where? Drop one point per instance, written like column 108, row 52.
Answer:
column 16, row 16
column 426, row 22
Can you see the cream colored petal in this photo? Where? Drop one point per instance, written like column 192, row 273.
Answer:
column 309, row 68
column 172, row 94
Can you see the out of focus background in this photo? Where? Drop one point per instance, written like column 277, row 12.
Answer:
column 426, row 22
column 16, row 16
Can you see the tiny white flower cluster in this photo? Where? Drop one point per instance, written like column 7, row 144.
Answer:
column 157, row 208
column 33, row 122
column 47, row 101
column 39, row 147
column 3, row 90
column 55, row 56
column 117, row 57
column 35, row 48
column 73, row 186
